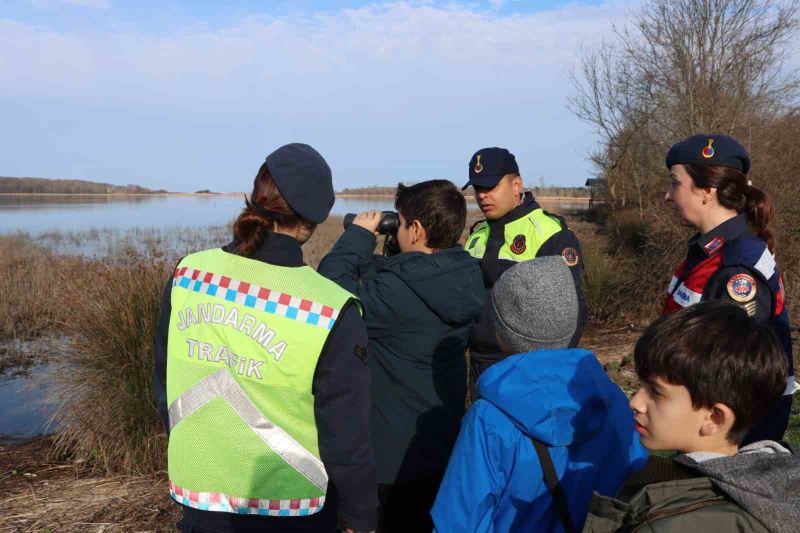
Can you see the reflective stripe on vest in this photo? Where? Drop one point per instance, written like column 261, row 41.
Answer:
column 243, row 345
column 535, row 228
column 222, row 384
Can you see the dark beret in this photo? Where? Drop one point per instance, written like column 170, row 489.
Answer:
column 488, row 165
column 304, row 180
column 704, row 149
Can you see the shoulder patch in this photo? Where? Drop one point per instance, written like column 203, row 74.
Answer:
column 570, row 256
column 518, row 246
column 742, row 288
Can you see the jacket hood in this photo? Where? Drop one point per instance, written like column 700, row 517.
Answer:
column 449, row 281
column 763, row 478
column 559, row 397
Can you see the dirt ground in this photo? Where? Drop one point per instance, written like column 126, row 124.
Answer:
column 41, row 493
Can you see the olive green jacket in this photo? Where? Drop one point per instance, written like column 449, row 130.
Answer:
column 756, row 490
column 680, row 506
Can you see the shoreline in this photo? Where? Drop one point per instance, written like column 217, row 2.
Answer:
column 359, row 196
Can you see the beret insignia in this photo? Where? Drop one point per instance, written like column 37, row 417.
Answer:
column 708, row 151
column 742, row 288
column 570, row 256
column 518, row 245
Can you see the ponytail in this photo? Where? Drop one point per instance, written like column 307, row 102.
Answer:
column 264, row 211
column 734, row 192
column 759, row 212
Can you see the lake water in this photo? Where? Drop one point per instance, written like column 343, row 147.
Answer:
column 37, row 214
column 44, row 213
column 23, row 408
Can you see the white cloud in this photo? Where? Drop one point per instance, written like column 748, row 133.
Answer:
column 404, row 90
column 377, row 55
column 88, row 4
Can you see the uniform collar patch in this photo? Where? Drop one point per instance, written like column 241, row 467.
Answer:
column 714, row 245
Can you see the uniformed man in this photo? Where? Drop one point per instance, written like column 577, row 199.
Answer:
column 516, row 229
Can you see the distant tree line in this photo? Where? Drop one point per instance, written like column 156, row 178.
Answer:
column 369, row 191
column 57, row 186
column 541, row 190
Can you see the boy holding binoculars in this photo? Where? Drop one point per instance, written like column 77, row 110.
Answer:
column 418, row 306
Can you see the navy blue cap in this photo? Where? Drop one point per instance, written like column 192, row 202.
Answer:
column 488, row 165
column 304, row 180
column 704, row 149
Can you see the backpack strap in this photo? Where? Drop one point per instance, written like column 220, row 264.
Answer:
column 551, row 480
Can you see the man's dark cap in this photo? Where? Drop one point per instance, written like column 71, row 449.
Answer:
column 715, row 150
column 304, row 180
column 488, row 165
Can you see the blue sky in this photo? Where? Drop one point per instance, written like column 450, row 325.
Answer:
column 193, row 95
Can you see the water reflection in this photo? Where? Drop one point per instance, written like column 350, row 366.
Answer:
column 23, row 408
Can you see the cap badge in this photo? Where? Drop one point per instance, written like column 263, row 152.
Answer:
column 742, row 288
column 708, row 151
column 570, row 256
column 478, row 166
column 518, row 245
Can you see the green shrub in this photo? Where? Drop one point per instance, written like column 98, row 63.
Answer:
column 606, row 282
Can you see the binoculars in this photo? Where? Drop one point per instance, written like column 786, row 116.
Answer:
column 388, row 225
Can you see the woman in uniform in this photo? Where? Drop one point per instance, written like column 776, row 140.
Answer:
column 731, row 257
column 258, row 377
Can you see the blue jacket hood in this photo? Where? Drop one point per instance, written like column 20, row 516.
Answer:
column 559, row 397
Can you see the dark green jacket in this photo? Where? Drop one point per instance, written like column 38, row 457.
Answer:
column 757, row 490
column 418, row 308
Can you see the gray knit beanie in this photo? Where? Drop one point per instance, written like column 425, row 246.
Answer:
column 534, row 305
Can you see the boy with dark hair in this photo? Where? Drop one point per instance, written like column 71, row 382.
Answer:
column 418, row 306
column 708, row 374
column 549, row 428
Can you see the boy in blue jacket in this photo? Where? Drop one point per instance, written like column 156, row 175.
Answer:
column 418, row 306
column 559, row 398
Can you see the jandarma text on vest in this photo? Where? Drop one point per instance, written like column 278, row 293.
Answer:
column 247, row 324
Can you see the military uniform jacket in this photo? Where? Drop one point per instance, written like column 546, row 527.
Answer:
column 730, row 263
column 534, row 235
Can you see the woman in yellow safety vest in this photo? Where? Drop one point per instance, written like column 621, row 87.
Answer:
column 260, row 371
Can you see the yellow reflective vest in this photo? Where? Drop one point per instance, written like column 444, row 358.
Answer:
column 522, row 237
column 244, row 341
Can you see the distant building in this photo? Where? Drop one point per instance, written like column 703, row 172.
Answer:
column 598, row 191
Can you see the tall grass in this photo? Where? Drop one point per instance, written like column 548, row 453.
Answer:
column 35, row 285
column 102, row 383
